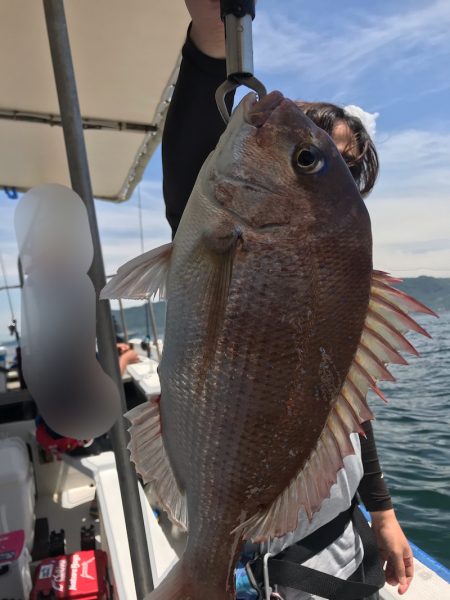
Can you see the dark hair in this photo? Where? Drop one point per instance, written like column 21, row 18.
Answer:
column 364, row 167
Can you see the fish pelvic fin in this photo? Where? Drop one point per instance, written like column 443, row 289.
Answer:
column 142, row 277
column 152, row 463
column 381, row 342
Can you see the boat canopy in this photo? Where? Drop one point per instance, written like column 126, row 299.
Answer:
column 126, row 57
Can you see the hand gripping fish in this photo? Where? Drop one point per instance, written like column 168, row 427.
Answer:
column 277, row 326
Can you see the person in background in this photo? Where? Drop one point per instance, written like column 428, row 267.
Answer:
column 192, row 129
column 127, row 356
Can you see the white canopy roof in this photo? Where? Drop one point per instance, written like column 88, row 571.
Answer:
column 125, row 55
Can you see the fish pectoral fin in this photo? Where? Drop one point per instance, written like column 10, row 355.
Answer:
column 152, row 463
column 215, row 253
column 141, row 277
column 381, row 340
column 222, row 237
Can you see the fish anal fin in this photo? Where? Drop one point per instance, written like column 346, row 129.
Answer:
column 142, row 277
column 152, row 463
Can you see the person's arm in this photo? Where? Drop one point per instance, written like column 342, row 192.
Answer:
column 207, row 31
column 127, row 356
column 391, row 541
column 193, row 125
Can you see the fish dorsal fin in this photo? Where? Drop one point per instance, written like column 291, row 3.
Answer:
column 381, row 340
column 141, row 277
column 152, row 463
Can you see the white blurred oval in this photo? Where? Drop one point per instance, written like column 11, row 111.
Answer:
column 73, row 394
column 52, row 229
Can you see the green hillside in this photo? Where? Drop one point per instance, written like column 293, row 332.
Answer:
column 432, row 291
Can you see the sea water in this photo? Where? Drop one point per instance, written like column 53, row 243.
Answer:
column 412, row 433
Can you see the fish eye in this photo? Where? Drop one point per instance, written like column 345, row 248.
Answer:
column 308, row 159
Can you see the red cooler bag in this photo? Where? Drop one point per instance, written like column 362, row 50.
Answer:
column 80, row 575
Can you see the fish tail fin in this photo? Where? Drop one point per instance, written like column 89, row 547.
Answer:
column 178, row 585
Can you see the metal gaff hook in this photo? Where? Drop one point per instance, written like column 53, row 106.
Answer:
column 237, row 16
column 229, row 85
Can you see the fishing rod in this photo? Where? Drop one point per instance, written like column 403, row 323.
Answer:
column 150, row 313
column 237, row 16
column 13, row 327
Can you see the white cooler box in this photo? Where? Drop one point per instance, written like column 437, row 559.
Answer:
column 15, row 578
column 17, row 490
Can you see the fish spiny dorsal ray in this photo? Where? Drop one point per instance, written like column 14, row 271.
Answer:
column 381, row 340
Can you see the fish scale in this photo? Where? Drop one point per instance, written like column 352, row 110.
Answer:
column 237, row 406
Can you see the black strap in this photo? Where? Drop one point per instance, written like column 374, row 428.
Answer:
column 285, row 570
column 318, row 540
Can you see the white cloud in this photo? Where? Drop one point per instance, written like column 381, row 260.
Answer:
column 119, row 226
column 369, row 120
column 410, row 207
column 415, row 163
column 283, row 45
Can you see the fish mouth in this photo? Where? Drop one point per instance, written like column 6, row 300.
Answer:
column 257, row 112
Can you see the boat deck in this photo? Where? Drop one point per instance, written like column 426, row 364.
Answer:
column 65, row 493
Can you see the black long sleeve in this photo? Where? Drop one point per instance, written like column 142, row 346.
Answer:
column 193, row 127
column 372, row 488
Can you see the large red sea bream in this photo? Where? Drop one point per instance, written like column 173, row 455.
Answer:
column 277, row 326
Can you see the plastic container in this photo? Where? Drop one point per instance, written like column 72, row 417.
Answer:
column 15, row 578
column 17, row 489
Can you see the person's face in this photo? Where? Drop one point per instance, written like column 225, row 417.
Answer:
column 345, row 141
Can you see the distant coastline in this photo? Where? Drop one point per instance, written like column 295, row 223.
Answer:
column 432, row 291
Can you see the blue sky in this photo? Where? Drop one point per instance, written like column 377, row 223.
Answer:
column 390, row 58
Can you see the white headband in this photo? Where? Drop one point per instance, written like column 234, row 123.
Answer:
column 366, row 118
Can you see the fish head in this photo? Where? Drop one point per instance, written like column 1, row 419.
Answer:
column 274, row 167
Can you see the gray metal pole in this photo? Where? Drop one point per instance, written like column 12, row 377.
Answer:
column 151, row 313
column 124, row 322
column 81, row 183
